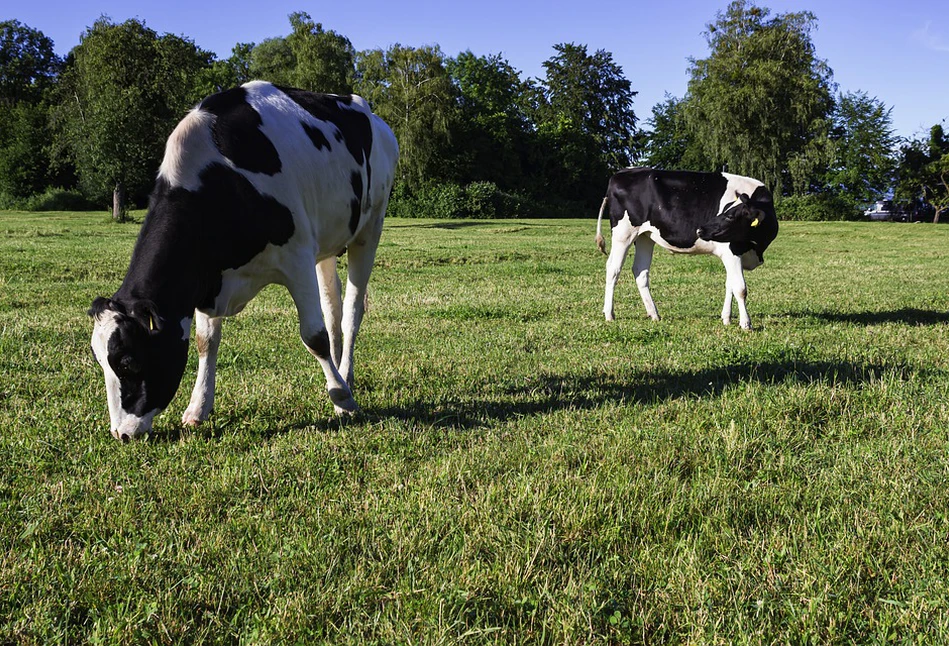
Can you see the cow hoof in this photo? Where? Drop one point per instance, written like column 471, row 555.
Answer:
column 343, row 402
column 193, row 417
column 610, row 317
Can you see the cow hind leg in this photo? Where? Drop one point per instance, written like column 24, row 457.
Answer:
column 304, row 289
column 208, row 339
column 623, row 238
column 642, row 260
column 361, row 256
column 332, row 304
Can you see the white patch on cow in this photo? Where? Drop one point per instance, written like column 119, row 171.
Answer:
column 186, row 329
column 701, row 246
column 189, row 150
column 105, row 325
column 736, row 184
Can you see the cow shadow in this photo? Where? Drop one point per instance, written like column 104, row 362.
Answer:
column 548, row 393
column 907, row 316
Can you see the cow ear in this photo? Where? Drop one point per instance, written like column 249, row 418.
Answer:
column 146, row 314
column 743, row 197
column 99, row 305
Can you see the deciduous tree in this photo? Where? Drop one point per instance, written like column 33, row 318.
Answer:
column 864, row 160
column 124, row 89
column 759, row 104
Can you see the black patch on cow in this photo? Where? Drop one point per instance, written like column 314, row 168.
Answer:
column 320, row 344
column 353, row 126
column 316, row 136
column 236, row 132
column 356, row 203
column 674, row 202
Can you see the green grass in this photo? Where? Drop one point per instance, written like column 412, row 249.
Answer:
column 521, row 472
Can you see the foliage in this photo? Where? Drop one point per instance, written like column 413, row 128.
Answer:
column 492, row 134
column 411, row 90
column 826, row 206
column 479, row 200
column 864, row 162
column 123, row 91
column 759, row 104
column 28, row 64
column 272, row 60
column 51, row 199
column 669, row 144
column 583, row 110
column 24, row 141
column 323, row 60
column 521, row 472
column 923, row 173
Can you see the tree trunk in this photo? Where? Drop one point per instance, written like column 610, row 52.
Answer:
column 119, row 213
column 936, row 217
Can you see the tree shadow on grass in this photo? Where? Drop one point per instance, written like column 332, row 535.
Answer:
column 907, row 316
column 547, row 393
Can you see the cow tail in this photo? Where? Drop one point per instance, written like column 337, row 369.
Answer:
column 600, row 242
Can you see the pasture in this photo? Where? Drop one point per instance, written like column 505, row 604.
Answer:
column 521, row 471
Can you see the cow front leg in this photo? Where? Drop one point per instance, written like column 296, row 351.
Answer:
column 332, row 303
column 642, row 260
column 304, row 289
column 735, row 287
column 622, row 240
column 361, row 256
column 207, row 333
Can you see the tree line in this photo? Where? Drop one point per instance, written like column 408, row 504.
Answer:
column 477, row 138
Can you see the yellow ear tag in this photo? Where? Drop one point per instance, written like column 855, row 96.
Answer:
column 755, row 223
column 151, row 321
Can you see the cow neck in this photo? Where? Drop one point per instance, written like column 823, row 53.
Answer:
column 164, row 267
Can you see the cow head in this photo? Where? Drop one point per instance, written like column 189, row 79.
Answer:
column 749, row 225
column 143, row 360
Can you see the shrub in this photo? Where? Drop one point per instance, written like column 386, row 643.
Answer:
column 52, row 199
column 818, row 207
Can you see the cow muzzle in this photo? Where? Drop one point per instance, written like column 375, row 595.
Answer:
column 132, row 427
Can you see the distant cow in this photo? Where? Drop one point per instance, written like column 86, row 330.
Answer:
column 729, row 216
column 259, row 184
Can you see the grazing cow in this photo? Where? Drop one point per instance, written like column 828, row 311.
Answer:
column 729, row 216
column 259, row 184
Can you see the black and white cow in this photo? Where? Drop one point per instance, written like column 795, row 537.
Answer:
column 259, row 184
column 729, row 216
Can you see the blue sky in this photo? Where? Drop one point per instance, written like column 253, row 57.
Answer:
column 895, row 51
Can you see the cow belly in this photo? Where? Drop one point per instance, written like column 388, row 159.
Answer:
column 700, row 246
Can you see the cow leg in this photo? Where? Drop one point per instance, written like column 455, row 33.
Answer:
column 207, row 333
column 735, row 286
column 641, row 263
column 332, row 304
column 623, row 238
column 305, row 291
column 361, row 256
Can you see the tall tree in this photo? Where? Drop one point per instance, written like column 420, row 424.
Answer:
column 412, row 91
column 28, row 68
column 760, row 103
column 923, row 171
column 124, row 89
column 583, row 110
column 864, row 161
column 493, row 129
column 272, row 60
column 28, row 64
column 668, row 143
column 324, row 60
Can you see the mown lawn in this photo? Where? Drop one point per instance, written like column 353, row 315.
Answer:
column 521, row 472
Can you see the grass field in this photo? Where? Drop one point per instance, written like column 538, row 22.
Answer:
column 521, row 471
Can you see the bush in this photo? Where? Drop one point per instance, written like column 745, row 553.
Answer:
column 481, row 200
column 815, row 207
column 52, row 199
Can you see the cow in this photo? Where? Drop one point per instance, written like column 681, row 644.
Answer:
column 729, row 216
column 259, row 184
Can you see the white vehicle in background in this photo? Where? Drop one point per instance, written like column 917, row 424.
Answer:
column 882, row 210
